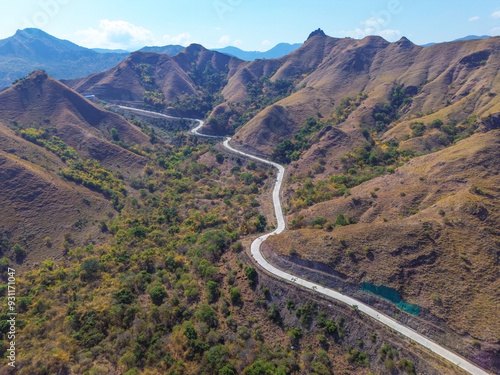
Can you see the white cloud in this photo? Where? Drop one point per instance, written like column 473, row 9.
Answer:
column 224, row 39
column 475, row 18
column 390, row 35
column 184, row 39
column 237, row 42
column 373, row 26
column 496, row 14
column 116, row 34
column 495, row 31
column 266, row 42
column 373, row 22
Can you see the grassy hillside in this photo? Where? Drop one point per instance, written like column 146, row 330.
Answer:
column 42, row 215
column 39, row 101
column 67, row 165
column 186, row 82
column 428, row 230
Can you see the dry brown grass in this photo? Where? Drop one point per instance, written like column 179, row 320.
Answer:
column 41, row 102
column 38, row 204
column 448, row 79
column 431, row 229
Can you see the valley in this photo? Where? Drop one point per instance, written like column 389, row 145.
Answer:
column 148, row 239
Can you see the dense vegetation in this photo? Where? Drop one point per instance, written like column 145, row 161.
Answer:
column 155, row 297
column 385, row 113
column 209, row 82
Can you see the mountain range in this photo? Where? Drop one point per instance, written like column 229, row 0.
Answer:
column 279, row 50
column 468, row 37
column 391, row 152
column 32, row 49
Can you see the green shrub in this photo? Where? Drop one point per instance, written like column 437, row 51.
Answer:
column 273, row 313
column 417, row 129
column 235, row 296
column 213, row 293
column 207, row 314
column 158, row 294
column 251, row 274
column 19, row 252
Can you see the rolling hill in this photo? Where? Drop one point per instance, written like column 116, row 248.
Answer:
column 47, row 134
column 158, row 79
column 428, row 231
column 42, row 102
column 442, row 76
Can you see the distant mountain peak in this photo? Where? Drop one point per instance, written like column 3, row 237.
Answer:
column 33, row 48
column 31, row 31
column 39, row 73
column 315, row 33
column 195, row 47
column 405, row 42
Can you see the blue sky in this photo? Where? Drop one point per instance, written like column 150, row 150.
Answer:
column 247, row 24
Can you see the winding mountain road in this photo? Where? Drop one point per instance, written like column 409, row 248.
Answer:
column 259, row 258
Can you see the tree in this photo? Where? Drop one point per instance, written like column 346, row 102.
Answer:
column 260, row 223
column 217, row 357
column 437, row 123
column 125, row 296
column 340, row 221
column 19, row 252
column 157, row 294
column 417, row 129
column 190, row 331
column 212, row 291
column 227, row 370
column 330, row 326
column 89, row 269
column 208, row 315
column 259, row 367
column 235, row 296
column 251, row 275
column 114, row 135
column 274, row 314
